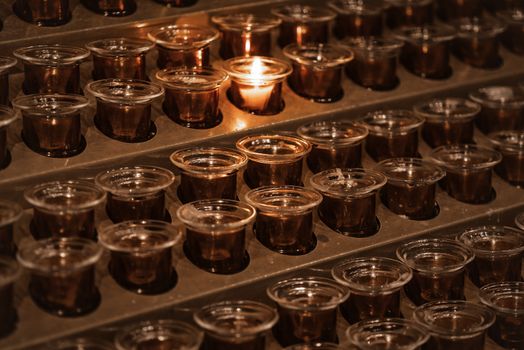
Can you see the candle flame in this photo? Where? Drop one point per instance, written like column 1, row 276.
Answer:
column 257, row 71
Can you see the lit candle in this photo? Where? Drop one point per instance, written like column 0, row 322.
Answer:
column 258, row 95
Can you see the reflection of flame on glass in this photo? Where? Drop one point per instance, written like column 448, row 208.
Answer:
column 257, row 72
column 301, row 31
column 247, row 46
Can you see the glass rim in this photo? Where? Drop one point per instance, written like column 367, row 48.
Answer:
column 511, row 141
column 237, row 69
column 298, row 54
column 487, row 317
column 125, row 91
column 322, row 14
column 374, row 46
column 58, row 244
column 180, row 159
column 110, row 236
column 391, row 114
column 13, row 210
column 338, row 272
column 303, row 282
column 434, row 116
column 30, row 195
column 246, row 22
column 33, row 54
column 189, row 211
column 437, row 156
column 307, row 132
column 104, row 180
column 377, row 181
column 127, row 46
column 210, row 35
column 468, row 238
column 81, row 343
column 452, row 247
column 255, row 198
column 478, row 27
column 303, row 146
column 180, row 78
column 349, row 7
column 13, row 271
column 7, row 116
column 484, row 96
column 265, row 315
column 387, row 167
column 7, row 62
column 57, row 105
column 508, row 288
column 430, row 33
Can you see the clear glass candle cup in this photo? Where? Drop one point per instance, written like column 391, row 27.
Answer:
column 448, row 120
column 256, row 83
column 511, row 145
column 317, row 70
column 216, row 234
column 411, row 187
column 439, row 268
column 6, row 64
column 111, row 8
column 177, row 3
column 284, row 221
column 119, row 58
column 235, row 325
column 513, row 36
column 409, row 13
column 245, row 34
column 208, row 172
column 449, row 10
column 136, row 193
column 303, row 24
column 7, row 117
column 43, row 13
column 502, row 108
column 498, row 253
column 426, row 50
column 506, row 300
column 454, row 324
column 307, row 309
column 80, row 344
column 51, row 123
column 477, row 42
column 469, row 170
column 183, row 45
column 9, row 273
column 374, row 285
column 51, row 68
column 335, row 144
column 141, row 255
column 274, row 160
column 389, row 333
column 10, row 213
column 349, row 200
column 62, row 274
column 392, row 134
column 123, row 108
column 375, row 63
column 357, row 18
column 192, row 96
column 159, row 334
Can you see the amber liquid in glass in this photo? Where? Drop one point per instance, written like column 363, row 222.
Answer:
column 55, row 224
column 150, row 207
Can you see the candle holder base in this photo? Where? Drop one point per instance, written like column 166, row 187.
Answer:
column 58, row 153
column 218, row 268
column 128, row 139
column 291, row 251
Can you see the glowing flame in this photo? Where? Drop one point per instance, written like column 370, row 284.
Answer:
column 257, row 71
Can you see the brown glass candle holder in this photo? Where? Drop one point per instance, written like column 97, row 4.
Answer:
column 357, row 18
column 159, row 334
column 469, row 171
column 511, row 145
column 426, row 50
column 392, row 134
column 390, row 333
column 375, row 63
column 10, row 213
column 192, row 96
column 411, row 187
column 43, row 13
column 216, row 234
column 208, row 172
column 9, row 273
column 448, row 120
column 409, row 13
column 439, row 269
column 335, row 144
column 256, row 83
column 119, row 58
column 235, row 325
column 123, row 108
column 502, row 108
column 374, row 285
column 62, row 274
column 317, row 70
column 477, row 42
column 136, row 193
column 284, row 221
column 303, row 24
column 449, row 10
column 64, row 209
column 245, row 34
column 498, row 254
column 51, row 68
column 349, row 203
column 505, row 300
column 513, row 36
column 141, row 255
column 454, row 324
column 7, row 117
column 51, row 123
column 183, row 45
column 6, row 64
column 307, row 309
column 274, row 160
column 111, row 8
column 81, row 344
